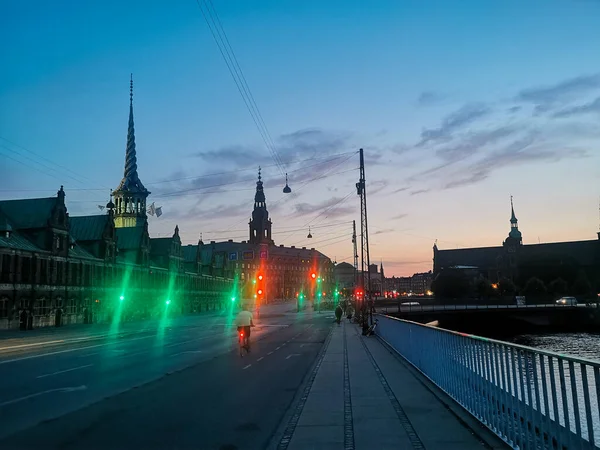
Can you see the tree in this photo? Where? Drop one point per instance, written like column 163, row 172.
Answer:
column 507, row 287
column 558, row 287
column 581, row 286
column 534, row 286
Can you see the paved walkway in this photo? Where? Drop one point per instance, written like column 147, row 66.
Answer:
column 361, row 396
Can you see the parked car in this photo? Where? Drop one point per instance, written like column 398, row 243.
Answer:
column 571, row 301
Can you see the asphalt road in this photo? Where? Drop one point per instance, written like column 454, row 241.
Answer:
column 181, row 386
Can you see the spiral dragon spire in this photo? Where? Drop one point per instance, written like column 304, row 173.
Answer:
column 131, row 180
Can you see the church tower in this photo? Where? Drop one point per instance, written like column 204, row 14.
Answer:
column 260, row 224
column 514, row 236
column 130, row 197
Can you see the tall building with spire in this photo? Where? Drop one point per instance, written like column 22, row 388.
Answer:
column 520, row 262
column 260, row 224
column 514, row 236
column 130, row 196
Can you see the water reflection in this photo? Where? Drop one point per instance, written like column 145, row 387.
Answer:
column 583, row 345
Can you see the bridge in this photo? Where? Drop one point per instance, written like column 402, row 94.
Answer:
column 531, row 399
column 307, row 383
column 496, row 319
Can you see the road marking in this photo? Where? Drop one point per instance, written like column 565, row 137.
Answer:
column 285, row 343
column 189, row 351
column 89, row 354
column 302, row 345
column 292, row 354
column 261, row 358
column 36, row 344
column 270, row 353
column 67, row 389
column 64, row 371
column 277, row 348
column 242, row 369
column 68, row 350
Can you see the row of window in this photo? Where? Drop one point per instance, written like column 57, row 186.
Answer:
column 25, row 270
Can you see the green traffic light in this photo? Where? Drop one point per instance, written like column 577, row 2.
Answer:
column 319, row 280
column 122, row 297
column 254, row 281
column 168, row 302
column 233, row 299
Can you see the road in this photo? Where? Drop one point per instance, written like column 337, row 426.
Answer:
column 181, row 386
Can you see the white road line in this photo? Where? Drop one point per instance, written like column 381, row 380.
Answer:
column 285, row 343
column 270, row 353
column 64, row 371
column 302, row 345
column 292, row 354
column 260, row 359
column 189, row 351
column 68, row 350
column 67, row 389
column 36, row 344
column 89, row 354
column 277, row 348
column 242, row 369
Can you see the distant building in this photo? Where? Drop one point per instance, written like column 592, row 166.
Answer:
column 345, row 275
column 519, row 262
column 287, row 270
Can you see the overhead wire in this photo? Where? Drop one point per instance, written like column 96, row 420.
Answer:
column 239, row 81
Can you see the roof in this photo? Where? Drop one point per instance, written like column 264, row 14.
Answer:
column 189, row 252
column 28, row 213
column 129, row 238
column 88, row 228
column 585, row 253
column 17, row 242
column 344, row 265
column 273, row 250
column 481, row 257
column 79, row 252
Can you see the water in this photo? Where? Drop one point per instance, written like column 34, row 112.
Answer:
column 583, row 345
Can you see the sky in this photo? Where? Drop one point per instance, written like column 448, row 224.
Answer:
column 457, row 106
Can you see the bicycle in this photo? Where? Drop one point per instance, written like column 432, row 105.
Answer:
column 242, row 342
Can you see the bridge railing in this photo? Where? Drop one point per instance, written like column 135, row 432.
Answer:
column 532, row 399
column 438, row 308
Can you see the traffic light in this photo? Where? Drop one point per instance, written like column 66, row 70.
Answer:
column 167, row 302
column 260, row 286
column 313, row 275
column 121, row 298
column 233, row 299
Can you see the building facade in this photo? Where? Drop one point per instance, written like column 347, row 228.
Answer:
column 518, row 262
column 56, row 269
column 287, row 271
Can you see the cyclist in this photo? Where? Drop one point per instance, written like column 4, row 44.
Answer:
column 244, row 322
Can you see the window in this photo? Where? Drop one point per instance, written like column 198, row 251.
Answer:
column 42, row 307
column 43, row 271
column 70, row 306
column 5, row 274
column 3, row 307
column 26, row 270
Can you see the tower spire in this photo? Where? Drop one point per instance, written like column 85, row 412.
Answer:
column 513, row 218
column 130, row 196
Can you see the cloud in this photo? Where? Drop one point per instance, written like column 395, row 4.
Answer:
column 333, row 206
column 398, row 217
column 474, row 142
column 453, row 122
column 592, row 107
column 429, row 98
column 383, row 231
column 419, row 191
column 528, row 149
column 546, row 98
column 402, row 189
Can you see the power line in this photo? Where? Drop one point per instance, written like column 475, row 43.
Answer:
column 239, row 82
column 44, row 159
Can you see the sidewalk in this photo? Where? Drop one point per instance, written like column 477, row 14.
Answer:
column 361, row 396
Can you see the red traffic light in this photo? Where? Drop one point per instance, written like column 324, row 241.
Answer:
column 260, row 277
column 313, row 275
column 259, row 292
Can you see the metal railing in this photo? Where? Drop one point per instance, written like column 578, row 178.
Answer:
column 532, row 399
column 442, row 308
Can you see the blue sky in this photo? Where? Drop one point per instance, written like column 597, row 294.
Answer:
column 458, row 106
